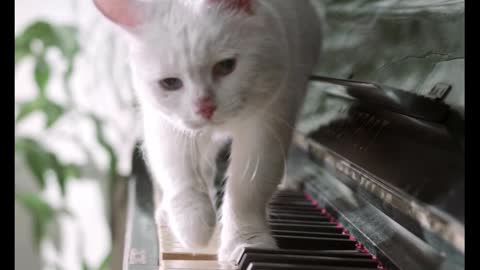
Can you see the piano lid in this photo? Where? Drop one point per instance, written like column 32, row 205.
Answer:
column 385, row 132
column 402, row 151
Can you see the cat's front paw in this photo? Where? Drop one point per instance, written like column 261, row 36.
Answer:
column 231, row 248
column 192, row 219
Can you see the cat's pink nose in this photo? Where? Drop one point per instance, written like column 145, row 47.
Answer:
column 206, row 107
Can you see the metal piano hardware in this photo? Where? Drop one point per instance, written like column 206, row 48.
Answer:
column 389, row 98
column 384, row 188
column 141, row 245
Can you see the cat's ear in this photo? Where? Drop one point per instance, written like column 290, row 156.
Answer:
column 126, row 13
column 241, row 5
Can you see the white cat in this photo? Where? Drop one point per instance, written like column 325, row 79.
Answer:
column 208, row 70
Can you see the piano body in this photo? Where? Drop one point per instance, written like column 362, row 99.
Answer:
column 381, row 172
column 382, row 188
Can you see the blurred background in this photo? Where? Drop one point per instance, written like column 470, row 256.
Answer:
column 75, row 130
column 75, row 116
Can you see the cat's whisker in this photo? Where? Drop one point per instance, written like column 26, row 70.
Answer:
column 284, row 153
column 247, row 166
column 256, row 169
column 185, row 154
column 177, row 140
column 193, row 155
column 210, row 162
column 281, row 121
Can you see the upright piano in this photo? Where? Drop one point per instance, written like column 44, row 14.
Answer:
column 380, row 185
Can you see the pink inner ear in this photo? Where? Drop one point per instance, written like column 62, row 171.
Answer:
column 123, row 12
column 245, row 5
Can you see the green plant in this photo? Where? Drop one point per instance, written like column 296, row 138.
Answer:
column 34, row 44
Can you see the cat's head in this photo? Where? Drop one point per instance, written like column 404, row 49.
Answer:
column 200, row 62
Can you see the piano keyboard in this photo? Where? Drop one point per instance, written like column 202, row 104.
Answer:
column 307, row 236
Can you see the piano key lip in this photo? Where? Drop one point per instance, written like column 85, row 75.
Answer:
column 325, row 213
column 360, row 246
column 318, row 234
column 314, row 243
column 300, row 222
column 340, row 253
column 255, row 265
column 305, row 226
column 313, row 213
column 304, row 201
column 301, row 260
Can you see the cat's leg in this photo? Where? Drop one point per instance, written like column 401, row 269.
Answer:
column 160, row 211
column 174, row 160
column 208, row 150
column 257, row 165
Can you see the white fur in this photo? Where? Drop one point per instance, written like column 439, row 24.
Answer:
column 276, row 49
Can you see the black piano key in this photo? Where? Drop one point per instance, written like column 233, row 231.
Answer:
column 328, row 253
column 297, row 211
column 311, row 234
column 290, row 197
column 296, row 208
column 277, row 266
column 293, row 203
column 305, row 260
column 305, row 222
column 288, row 193
column 313, row 243
column 306, row 238
column 308, row 209
column 289, row 201
column 304, row 217
column 290, row 207
column 305, row 228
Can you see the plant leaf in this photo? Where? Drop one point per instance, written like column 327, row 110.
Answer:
column 21, row 52
column 41, row 212
column 105, row 263
column 113, row 175
column 39, row 30
column 53, row 111
column 40, row 160
column 63, row 171
column 59, row 170
column 42, row 74
column 34, row 155
column 63, row 37
column 67, row 40
column 72, row 171
column 85, row 265
column 28, row 108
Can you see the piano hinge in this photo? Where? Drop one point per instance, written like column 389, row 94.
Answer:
column 440, row 91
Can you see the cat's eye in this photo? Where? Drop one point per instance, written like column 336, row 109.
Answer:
column 224, row 68
column 171, row 84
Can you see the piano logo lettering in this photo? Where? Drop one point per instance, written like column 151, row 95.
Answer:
column 364, row 180
column 427, row 219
